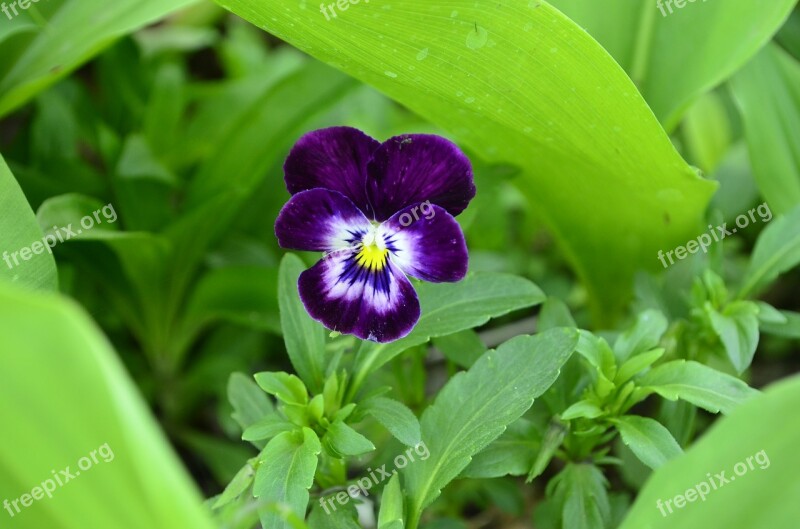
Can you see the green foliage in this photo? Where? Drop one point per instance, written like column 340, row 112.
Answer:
column 475, row 407
column 33, row 60
column 772, row 124
column 584, row 161
column 451, row 308
column 777, row 250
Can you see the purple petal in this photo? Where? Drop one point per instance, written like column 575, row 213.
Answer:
column 320, row 220
column 407, row 170
column 335, row 158
column 378, row 305
column 426, row 242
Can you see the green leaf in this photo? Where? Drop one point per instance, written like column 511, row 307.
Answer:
column 267, row 428
column 462, row 348
column 789, row 35
column 395, row 417
column 305, row 338
column 391, row 514
column 476, row 406
column 448, row 308
column 789, row 329
column 767, row 92
column 88, row 402
column 707, row 130
column 258, row 118
column 754, row 435
column 20, row 232
column 648, row 439
column 545, row 114
column 671, row 76
column 551, row 442
column 636, row 365
column 769, row 314
column 580, row 490
column 582, row 409
column 284, row 474
column 246, row 295
column 131, row 265
column 696, row 383
column 777, row 251
column 452, row 307
column 555, row 313
column 287, row 388
column 511, row 454
column 138, row 161
column 737, row 189
column 341, row 440
column 240, row 483
column 333, row 515
column 37, row 59
column 643, row 336
column 249, row 402
column 222, row 456
column 737, row 328
column 68, row 210
column 599, row 354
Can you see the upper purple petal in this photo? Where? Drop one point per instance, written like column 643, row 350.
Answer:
column 426, row 242
column 379, row 305
column 407, row 170
column 335, row 158
column 320, row 220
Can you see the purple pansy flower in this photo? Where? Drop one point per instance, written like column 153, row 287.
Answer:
column 380, row 212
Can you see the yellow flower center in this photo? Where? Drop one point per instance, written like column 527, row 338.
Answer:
column 372, row 252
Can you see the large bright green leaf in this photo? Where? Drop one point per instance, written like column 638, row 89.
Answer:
column 57, row 36
column 20, row 232
column 65, row 394
column 767, row 91
column 519, row 83
column 759, row 441
column 476, row 406
column 658, row 46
